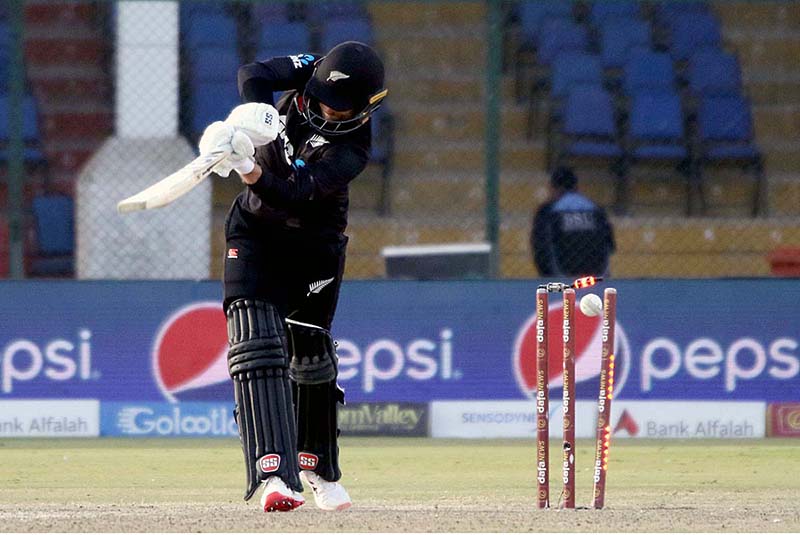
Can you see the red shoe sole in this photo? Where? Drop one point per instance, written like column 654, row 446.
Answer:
column 278, row 502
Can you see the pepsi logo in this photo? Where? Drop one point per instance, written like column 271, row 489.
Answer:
column 189, row 354
column 588, row 347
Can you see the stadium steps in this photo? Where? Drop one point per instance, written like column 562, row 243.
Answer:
column 659, row 247
column 647, row 247
column 454, row 121
column 763, row 14
column 433, row 15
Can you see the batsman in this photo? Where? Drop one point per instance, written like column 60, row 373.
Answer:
column 285, row 258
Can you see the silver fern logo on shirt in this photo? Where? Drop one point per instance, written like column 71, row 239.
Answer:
column 316, row 287
column 316, row 141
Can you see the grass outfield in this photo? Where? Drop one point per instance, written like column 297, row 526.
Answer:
column 400, row 485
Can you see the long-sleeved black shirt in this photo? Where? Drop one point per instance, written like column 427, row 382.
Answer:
column 571, row 236
column 305, row 174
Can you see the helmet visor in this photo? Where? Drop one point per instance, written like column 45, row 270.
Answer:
column 313, row 114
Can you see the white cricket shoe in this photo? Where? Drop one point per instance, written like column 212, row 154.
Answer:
column 279, row 497
column 328, row 495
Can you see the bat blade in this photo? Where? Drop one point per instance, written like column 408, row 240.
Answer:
column 174, row 186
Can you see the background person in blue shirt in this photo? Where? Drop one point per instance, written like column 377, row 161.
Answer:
column 571, row 235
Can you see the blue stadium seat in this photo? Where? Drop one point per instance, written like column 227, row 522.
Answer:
column 214, row 64
column 532, row 16
column 327, row 11
column 656, row 126
column 30, row 129
column 569, row 69
column 656, row 135
column 533, row 13
column 54, row 222
column 559, row 35
column 208, row 29
column 647, row 71
column 338, row 30
column 712, row 71
column 665, row 13
column 725, row 137
column 212, row 102
column 691, row 31
column 589, row 133
column 589, row 125
column 618, row 36
column 270, row 13
column 285, row 39
column 193, row 8
column 572, row 68
column 601, row 9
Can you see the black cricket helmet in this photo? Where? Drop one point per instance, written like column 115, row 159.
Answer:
column 349, row 77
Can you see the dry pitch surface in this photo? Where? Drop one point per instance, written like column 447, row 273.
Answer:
column 399, row 485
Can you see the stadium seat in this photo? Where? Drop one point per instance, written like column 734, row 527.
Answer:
column 570, row 69
column 284, row 39
column 209, row 29
column 691, row 31
column 327, row 11
column 213, row 64
column 602, row 9
column 725, row 137
column 559, row 35
column 713, row 72
column 212, row 102
column 656, row 135
column 665, row 13
column 618, row 36
column 533, row 13
column 54, row 218
column 344, row 29
column 656, row 126
column 30, row 129
column 647, row 71
column 589, row 127
column 270, row 13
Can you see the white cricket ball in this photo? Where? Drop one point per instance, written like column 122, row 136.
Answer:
column 591, row 304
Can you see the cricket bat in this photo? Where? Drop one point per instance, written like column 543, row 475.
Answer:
column 174, row 186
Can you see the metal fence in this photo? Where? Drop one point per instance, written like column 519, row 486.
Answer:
column 486, row 99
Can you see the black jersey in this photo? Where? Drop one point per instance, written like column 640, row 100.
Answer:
column 305, row 176
column 571, row 236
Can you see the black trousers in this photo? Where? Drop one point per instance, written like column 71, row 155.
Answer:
column 278, row 264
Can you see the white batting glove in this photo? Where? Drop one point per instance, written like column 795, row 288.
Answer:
column 219, row 136
column 241, row 159
column 259, row 121
column 216, row 137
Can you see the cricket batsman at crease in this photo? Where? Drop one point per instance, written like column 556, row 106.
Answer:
column 285, row 258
